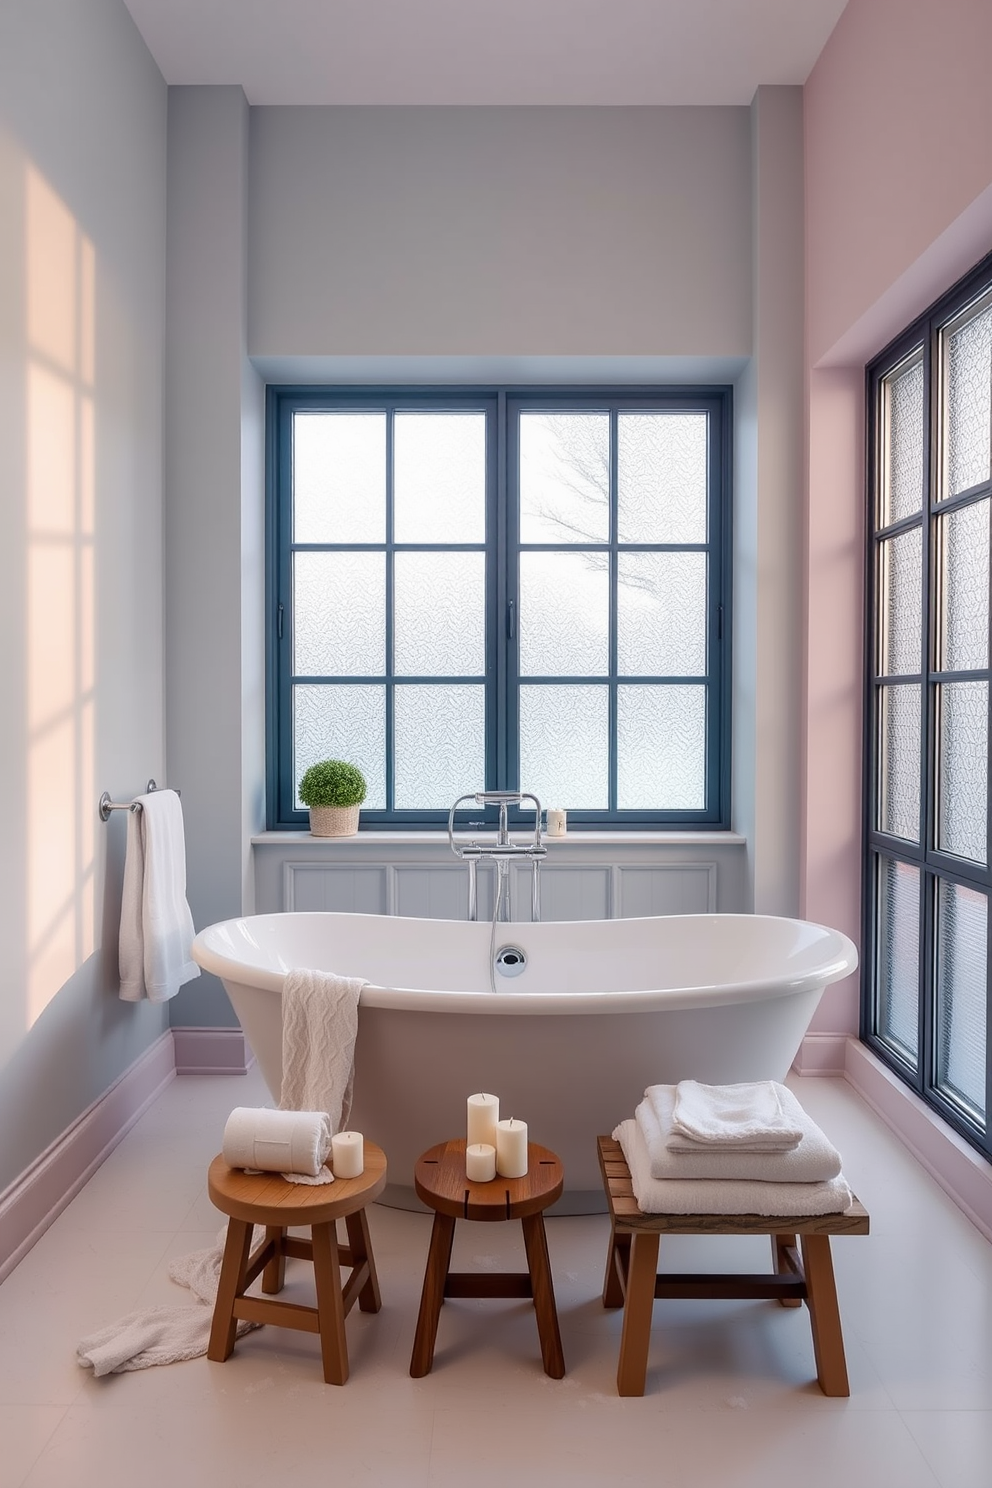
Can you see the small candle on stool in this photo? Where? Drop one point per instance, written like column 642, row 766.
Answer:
column 348, row 1155
column 480, row 1162
column 483, row 1114
column 511, row 1149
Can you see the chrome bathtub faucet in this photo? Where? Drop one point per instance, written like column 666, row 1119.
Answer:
column 502, row 850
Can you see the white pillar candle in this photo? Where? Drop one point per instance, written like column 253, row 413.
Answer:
column 483, row 1114
column 348, row 1155
column 480, row 1162
column 557, row 822
column 511, row 1148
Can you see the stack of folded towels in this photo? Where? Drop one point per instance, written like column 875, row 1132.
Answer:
column 730, row 1149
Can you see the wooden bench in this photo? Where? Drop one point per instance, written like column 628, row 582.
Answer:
column 633, row 1282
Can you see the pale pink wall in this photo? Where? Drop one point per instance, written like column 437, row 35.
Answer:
column 898, row 125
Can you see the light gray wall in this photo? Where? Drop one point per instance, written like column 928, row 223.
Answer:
column 500, row 231
column 82, row 275
column 214, row 526
column 769, row 526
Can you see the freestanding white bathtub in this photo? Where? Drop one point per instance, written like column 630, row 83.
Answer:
column 601, row 1009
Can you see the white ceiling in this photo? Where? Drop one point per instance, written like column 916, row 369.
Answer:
column 467, row 52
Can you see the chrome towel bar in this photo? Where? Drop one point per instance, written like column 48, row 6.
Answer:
column 105, row 805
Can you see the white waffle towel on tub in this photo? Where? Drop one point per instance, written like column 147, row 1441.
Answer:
column 319, row 1028
column 267, row 1141
column 813, row 1160
column 748, row 1117
column 156, row 929
column 724, row 1195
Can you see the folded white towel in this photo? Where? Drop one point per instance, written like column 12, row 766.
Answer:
column 724, row 1196
column 748, row 1117
column 156, row 929
column 270, row 1141
column 319, row 1028
column 813, row 1160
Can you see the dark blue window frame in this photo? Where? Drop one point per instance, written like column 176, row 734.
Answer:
column 502, row 407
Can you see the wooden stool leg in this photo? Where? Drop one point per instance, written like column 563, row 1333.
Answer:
column 824, row 1314
column 274, row 1273
column 539, row 1266
column 781, row 1244
column 224, row 1326
column 617, row 1257
column 438, row 1261
column 360, row 1242
column 635, row 1336
column 330, row 1303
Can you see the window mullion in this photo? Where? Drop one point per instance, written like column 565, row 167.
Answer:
column 614, row 604
column 390, row 558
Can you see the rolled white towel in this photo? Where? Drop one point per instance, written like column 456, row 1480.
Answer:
column 748, row 1117
column 813, row 1160
column 724, row 1195
column 291, row 1142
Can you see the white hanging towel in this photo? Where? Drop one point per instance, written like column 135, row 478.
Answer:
column 156, row 925
column 319, row 1027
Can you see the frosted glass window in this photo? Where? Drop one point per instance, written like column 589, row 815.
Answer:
column 564, row 749
column 899, row 762
column 440, row 745
column 564, row 477
column 962, row 786
column 661, row 477
column 661, row 747
column 661, row 614
column 564, row 614
column 902, row 598
column 339, row 477
column 969, row 402
column 964, row 549
column 440, row 614
column 962, row 930
column 902, row 450
column 339, row 608
column 344, row 721
column 440, row 478
column 898, row 957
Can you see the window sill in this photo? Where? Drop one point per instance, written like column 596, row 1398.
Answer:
column 304, row 841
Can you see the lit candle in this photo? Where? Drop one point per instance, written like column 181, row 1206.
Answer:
column 511, row 1148
column 557, row 822
column 483, row 1114
column 348, row 1155
column 480, row 1162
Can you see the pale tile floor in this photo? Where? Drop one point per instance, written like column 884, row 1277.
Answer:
column 731, row 1399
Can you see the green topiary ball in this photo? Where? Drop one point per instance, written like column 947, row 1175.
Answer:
column 333, row 783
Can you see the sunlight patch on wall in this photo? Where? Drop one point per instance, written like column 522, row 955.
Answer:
column 60, row 628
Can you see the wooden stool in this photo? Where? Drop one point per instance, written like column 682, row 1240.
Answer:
column 440, row 1181
column 267, row 1199
column 632, row 1279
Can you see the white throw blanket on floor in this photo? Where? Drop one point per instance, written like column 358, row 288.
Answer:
column 747, row 1117
column 813, row 1160
column 156, row 929
column 164, row 1335
column 724, row 1196
column 319, row 1028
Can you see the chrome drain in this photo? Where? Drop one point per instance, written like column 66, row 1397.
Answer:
column 510, row 961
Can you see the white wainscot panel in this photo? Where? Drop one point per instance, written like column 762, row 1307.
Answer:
column 579, row 893
column 317, row 886
column 431, row 893
column 686, row 889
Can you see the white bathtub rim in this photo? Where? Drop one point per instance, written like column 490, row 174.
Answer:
column 843, row 960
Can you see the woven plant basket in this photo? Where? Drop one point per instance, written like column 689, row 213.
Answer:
column 334, row 821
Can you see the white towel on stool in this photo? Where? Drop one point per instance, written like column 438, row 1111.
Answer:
column 319, row 1028
column 813, row 1160
column 724, row 1196
column 747, row 1117
column 267, row 1141
column 156, row 930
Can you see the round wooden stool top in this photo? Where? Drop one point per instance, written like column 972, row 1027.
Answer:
column 440, row 1181
column 266, row 1198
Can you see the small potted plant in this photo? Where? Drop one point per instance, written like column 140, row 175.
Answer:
column 334, row 792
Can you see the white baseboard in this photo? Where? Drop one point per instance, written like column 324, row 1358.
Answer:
column 821, row 1054
column 43, row 1190
column 212, row 1051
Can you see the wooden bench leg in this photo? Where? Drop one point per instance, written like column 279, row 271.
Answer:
column 438, row 1261
column 824, row 1314
column 274, row 1273
column 234, row 1265
column 617, row 1258
column 781, row 1245
column 330, row 1304
column 360, row 1243
column 539, row 1266
column 638, row 1307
